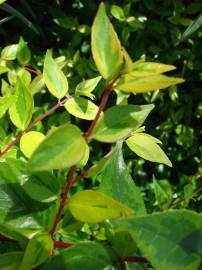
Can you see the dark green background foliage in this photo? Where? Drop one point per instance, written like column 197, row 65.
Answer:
column 150, row 28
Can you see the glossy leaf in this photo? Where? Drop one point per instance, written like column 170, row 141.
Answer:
column 30, row 141
column 17, row 209
column 146, row 146
column 92, row 207
column 37, row 251
column 81, row 256
column 119, row 121
column 21, row 111
column 23, row 52
column 5, row 103
column 62, row 148
column 117, row 183
column 143, row 69
column 85, row 87
column 81, row 108
column 134, row 84
column 169, row 240
column 106, row 48
column 54, row 78
column 11, row 260
column 9, row 52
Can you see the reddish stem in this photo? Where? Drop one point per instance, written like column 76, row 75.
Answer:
column 197, row 191
column 59, row 244
column 135, row 259
column 6, row 239
column 70, row 181
column 63, row 199
column 41, row 117
column 25, row 67
column 103, row 102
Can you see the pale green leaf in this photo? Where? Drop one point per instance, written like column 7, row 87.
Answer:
column 144, row 69
column 54, row 78
column 23, row 52
column 169, row 240
column 81, row 108
column 85, row 158
column 5, row 103
column 25, row 76
column 117, row 12
column 37, row 251
column 85, row 87
column 119, row 121
column 129, row 83
column 30, row 141
column 146, row 147
column 106, row 47
column 9, row 52
column 37, row 84
column 62, row 148
column 92, row 206
column 21, row 111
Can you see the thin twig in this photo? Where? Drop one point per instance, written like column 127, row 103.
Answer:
column 41, row 117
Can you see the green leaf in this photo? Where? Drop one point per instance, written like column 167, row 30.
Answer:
column 134, row 84
column 21, row 111
column 163, row 193
column 54, row 78
column 117, row 12
column 81, row 256
column 30, row 141
column 128, row 63
column 62, row 148
column 119, row 121
column 42, row 187
column 117, row 183
column 23, row 52
column 85, row 87
column 17, row 210
column 25, row 76
column 169, row 240
column 191, row 29
column 92, row 207
column 5, row 103
column 146, row 147
column 106, row 47
column 9, row 52
column 37, row 84
column 85, row 158
column 81, row 108
column 11, row 260
column 37, row 251
column 144, row 69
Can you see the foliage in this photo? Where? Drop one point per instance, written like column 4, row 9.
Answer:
column 67, row 197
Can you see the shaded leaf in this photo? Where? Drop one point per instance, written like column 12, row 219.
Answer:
column 117, row 183
column 11, row 260
column 23, row 52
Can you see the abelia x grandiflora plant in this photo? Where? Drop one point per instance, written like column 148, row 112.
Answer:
column 104, row 228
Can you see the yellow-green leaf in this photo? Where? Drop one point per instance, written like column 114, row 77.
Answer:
column 92, row 206
column 106, row 47
column 62, row 148
column 54, row 78
column 30, row 141
column 5, row 103
column 9, row 52
column 143, row 69
column 146, row 146
column 85, row 88
column 81, row 108
column 21, row 110
column 23, row 52
column 129, row 83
